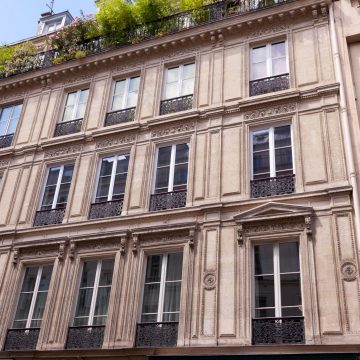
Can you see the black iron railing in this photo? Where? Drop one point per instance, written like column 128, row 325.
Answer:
column 49, row 217
column 21, row 339
column 85, row 337
column 181, row 103
column 6, row 141
column 169, row 25
column 168, row 200
column 106, row 209
column 68, row 127
column 273, row 186
column 286, row 330
column 120, row 116
column 269, row 84
column 156, row 334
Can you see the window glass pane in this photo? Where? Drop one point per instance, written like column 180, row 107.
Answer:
column 260, row 313
column 182, row 153
column 84, row 94
column 48, row 198
column 172, row 296
column 172, row 75
column 29, row 279
column 12, row 126
column 53, row 176
column 282, row 136
column 120, row 88
column 264, row 291
column 261, row 163
column 283, row 159
column 187, row 87
column 153, row 268
column 132, row 100
column 119, row 184
column 263, row 259
column 35, row 323
column 88, row 275
column 80, row 111
column 45, row 278
column 279, row 66
column 174, row 267
column 289, row 257
column 68, row 113
column 292, row 311
column 290, row 289
column 117, row 103
column 106, row 167
column 71, row 99
column 278, row 50
column 189, row 71
column 149, row 318
column 39, row 305
column 81, row 321
column 259, row 71
column 134, row 84
column 23, row 307
column 258, row 54
column 84, row 302
column 122, row 164
column 102, row 300
column 63, row 195
column 5, row 114
column 164, row 156
column 19, row 324
column 99, row 320
column 3, row 127
column 261, row 141
column 67, row 173
column 151, row 298
column 171, row 91
column 103, row 187
column 180, row 174
column 170, row 316
column 17, row 111
column 106, row 274
column 162, row 178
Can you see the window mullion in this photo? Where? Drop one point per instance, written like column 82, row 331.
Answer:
column 172, row 168
column 57, row 189
column 272, row 152
column 126, row 93
column 33, row 300
column 76, row 105
column 112, row 180
column 162, row 288
column 268, row 61
column 9, row 120
column 277, row 285
column 180, row 80
column 95, row 291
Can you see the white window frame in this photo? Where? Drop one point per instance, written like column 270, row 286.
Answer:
column 95, row 291
column 76, row 105
column 172, row 166
column 269, row 72
column 58, row 184
column 271, row 131
column 180, row 80
column 34, row 296
column 10, row 118
column 114, row 159
column 126, row 93
column 277, row 282
column 165, row 256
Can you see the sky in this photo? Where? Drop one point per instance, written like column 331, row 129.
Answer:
column 18, row 18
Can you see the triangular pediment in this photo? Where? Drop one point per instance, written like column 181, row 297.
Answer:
column 273, row 210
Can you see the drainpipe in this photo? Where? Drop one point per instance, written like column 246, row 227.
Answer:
column 345, row 123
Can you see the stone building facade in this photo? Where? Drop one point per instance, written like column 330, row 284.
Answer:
column 190, row 194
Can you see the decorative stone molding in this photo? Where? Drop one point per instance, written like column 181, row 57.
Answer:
column 180, row 53
column 123, row 243
column 115, row 141
column 4, row 163
column 135, row 243
column 308, row 225
column 61, row 252
column 175, row 129
column 31, row 252
column 72, row 251
column 192, row 234
column 75, row 79
column 267, row 30
column 348, row 270
column 68, row 150
column 209, row 280
column 131, row 66
column 240, row 234
column 16, row 256
column 270, row 111
column 13, row 96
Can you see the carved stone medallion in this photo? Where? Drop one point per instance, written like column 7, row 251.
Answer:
column 348, row 270
column 209, row 280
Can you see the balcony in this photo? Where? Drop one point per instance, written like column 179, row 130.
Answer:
column 49, row 217
column 181, row 103
column 168, row 200
column 165, row 26
column 85, row 337
column 68, row 127
column 120, row 116
column 269, row 84
column 156, row 334
column 21, row 339
column 6, row 141
column 279, row 185
column 287, row 330
column 106, row 209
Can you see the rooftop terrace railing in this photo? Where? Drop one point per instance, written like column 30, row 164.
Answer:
column 169, row 25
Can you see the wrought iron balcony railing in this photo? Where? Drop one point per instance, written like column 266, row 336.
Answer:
column 156, row 334
column 181, row 103
column 168, row 25
column 85, row 337
column 49, row 217
column 120, row 116
column 269, row 84
column 106, row 209
column 21, row 339
column 273, row 186
column 6, row 141
column 68, row 127
column 286, row 330
column 168, row 200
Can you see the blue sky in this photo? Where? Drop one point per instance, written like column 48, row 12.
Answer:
column 18, row 18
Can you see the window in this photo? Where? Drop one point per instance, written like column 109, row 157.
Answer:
column 171, row 177
column 123, row 102
column 178, row 89
column 54, row 200
column 92, row 305
column 269, row 68
column 161, row 301
column 9, row 117
column 111, row 187
column 272, row 161
column 74, row 111
column 32, row 298
column 53, row 26
column 277, row 294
